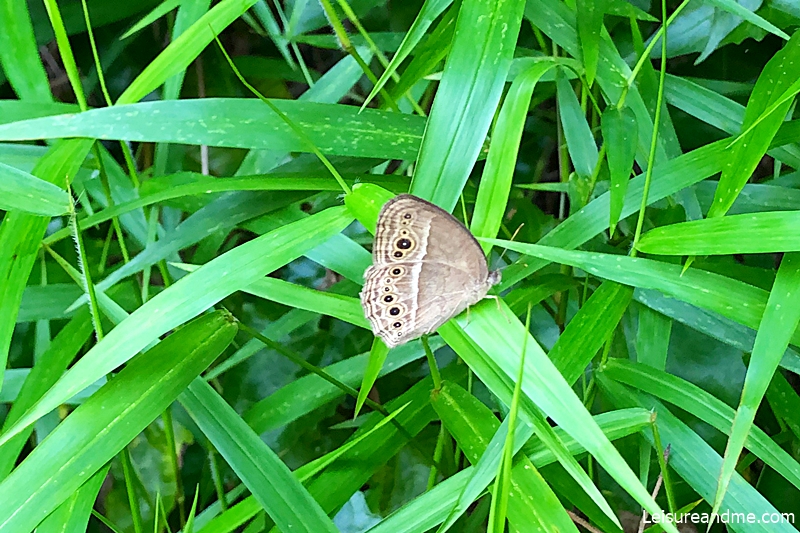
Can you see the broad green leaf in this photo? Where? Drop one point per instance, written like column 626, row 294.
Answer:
column 237, row 123
column 778, row 324
column 265, row 474
column 619, row 139
column 187, row 298
column 780, row 73
column 467, row 97
column 734, row 234
column 109, row 420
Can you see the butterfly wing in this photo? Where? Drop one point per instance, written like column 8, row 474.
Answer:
column 427, row 268
column 389, row 298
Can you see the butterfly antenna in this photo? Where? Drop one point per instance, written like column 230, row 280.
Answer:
column 511, row 239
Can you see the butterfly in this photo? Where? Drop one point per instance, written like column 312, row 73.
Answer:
column 427, row 268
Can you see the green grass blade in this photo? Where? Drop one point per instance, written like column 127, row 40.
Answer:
column 342, row 307
column 190, row 296
column 652, row 338
column 479, row 434
column 735, row 234
column 495, row 186
column 429, row 11
column 465, row 102
column 20, row 191
column 500, row 495
column 730, row 298
column 547, row 389
column 697, row 463
column 497, row 370
column 590, row 24
column 104, row 424
column 711, row 324
column 377, row 357
column 490, row 459
column 20, row 235
column 778, row 324
column 589, row 329
column 619, row 139
column 705, row 407
column 333, row 487
column 668, row 178
column 726, row 114
column 781, row 72
column 156, row 13
column 580, row 141
column 268, row 478
column 309, row 392
column 183, row 50
column 237, row 123
column 72, row 516
column 49, row 367
column 19, row 54
column 432, row 508
column 741, row 11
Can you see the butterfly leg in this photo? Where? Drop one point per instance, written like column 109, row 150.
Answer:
column 499, row 307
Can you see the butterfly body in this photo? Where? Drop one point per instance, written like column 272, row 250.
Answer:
column 427, row 268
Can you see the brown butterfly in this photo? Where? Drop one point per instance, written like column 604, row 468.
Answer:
column 427, row 268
